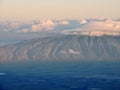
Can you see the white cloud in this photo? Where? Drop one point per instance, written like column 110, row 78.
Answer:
column 43, row 25
column 83, row 21
column 107, row 24
column 48, row 24
column 61, row 25
column 35, row 28
column 97, row 28
column 64, row 22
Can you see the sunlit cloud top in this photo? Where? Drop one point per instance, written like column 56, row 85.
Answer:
column 49, row 25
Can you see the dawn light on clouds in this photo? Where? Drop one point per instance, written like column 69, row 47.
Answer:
column 59, row 44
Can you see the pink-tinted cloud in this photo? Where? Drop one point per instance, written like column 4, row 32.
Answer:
column 107, row 24
column 60, row 25
column 64, row 22
column 45, row 25
column 83, row 21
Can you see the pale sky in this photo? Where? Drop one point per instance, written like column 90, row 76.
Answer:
column 58, row 9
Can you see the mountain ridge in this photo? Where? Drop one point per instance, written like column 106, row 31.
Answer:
column 65, row 47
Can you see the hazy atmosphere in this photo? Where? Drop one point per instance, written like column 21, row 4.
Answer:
column 58, row 9
column 59, row 44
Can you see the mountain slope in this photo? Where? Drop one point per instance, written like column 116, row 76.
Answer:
column 71, row 47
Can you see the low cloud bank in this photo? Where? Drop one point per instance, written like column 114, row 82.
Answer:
column 60, row 25
column 107, row 24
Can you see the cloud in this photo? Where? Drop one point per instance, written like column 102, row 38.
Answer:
column 45, row 25
column 35, row 28
column 37, row 25
column 107, row 24
column 96, row 28
column 64, row 22
column 83, row 21
column 49, row 25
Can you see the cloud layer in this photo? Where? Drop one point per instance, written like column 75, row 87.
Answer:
column 61, row 25
column 107, row 24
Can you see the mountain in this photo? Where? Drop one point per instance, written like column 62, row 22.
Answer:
column 65, row 47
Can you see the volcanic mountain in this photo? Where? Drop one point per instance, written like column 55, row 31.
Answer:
column 63, row 47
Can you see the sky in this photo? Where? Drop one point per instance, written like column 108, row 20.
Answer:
column 58, row 9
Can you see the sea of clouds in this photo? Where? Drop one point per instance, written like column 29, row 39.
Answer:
column 50, row 25
column 14, row 31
